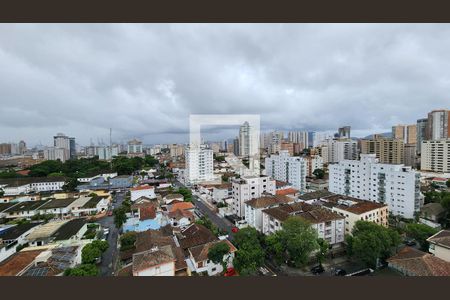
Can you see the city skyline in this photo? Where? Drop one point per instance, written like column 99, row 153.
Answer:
column 144, row 81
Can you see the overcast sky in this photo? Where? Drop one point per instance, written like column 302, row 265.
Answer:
column 145, row 80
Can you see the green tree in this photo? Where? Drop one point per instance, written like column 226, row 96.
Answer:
column 323, row 250
column 448, row 183
column 90, row 253
column 70, row 185
column 187, row 193
column 319, row 173
column 119, row 216
column 294, row 242
column 420, row 232
column 217, row 252
column 82, row 270
column 250, row 254
column 371, row 242
column 2, row 193
column 127, row 240
column 102, row 245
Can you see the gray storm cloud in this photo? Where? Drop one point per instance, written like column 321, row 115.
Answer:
column 144, row 80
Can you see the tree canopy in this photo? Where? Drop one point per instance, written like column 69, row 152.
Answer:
column 294, row 242
column 218, row 251
column 370, row 242
column 420, row 232
column 319, row 173
column 82, row 270
column 250, row 254
column 92, row 251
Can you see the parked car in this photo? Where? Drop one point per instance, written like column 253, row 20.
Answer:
column 234, row 229
column 340, row 272
column 230, row 272
column 410, row 243
column 317, row 270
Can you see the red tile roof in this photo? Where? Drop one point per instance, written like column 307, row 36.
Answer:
column 413, row 262
column 288, row 191
column 181, row 206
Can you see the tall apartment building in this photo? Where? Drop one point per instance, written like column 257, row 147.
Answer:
column 340, row 149
column 291, row 169
column 134, row 146
column 244, row 140
column 199, row 165
column 313, row 162
column 236, row 146
column 344, row 132
column 438, row 125
column 397, row 186
column 176, row 150
column 436, row 156
column 5, row 149
column 67, row 143
column 247, row 188
column 406, row 133
column 421, row 131
column 55, row 153
column 285, row 146
column 22, row 147
column 320, row 138
column 274, row 140
column 388, row 151
column 299, row 137
column 410, row 155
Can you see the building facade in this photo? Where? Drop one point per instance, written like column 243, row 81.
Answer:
column 435, row 156
column 291, row 169
column 397, row 186
column 247, row 188
column 388, row 151
column 199, row 165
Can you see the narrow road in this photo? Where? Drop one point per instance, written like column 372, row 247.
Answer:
column 110, row 255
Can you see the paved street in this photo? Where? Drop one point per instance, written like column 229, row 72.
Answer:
column 106, row 266
column 221, row 223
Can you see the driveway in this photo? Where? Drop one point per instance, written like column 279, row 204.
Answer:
column 110, row 256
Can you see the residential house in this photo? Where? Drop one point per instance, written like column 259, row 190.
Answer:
column 440, row 245
column 151, row 239
column 181, row 218
column 198, row 258
column 26, row 185
column 14, row 236
column 23, row 210
column 58, row 207
column 431, row 214
column 254, row 208
column 121, row 182
column 329, row 225
column 222, row 192
column 412, row 262
column 168, row 199
column 354, row 210
column 158, row 261
column 142, row 191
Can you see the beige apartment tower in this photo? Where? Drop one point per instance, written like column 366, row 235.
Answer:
column 388, row 151
column 406, row 133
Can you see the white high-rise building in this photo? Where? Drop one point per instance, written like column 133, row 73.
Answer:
column 55, row 153
column 436, row 156
column 64, row 142
column 247, row 188
column 320, row 138
column 134, row 147
column 244, row 140
column 397, row 186
column 299, row 137
column 291, row 169
column 341, row 149
column 199, row 165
